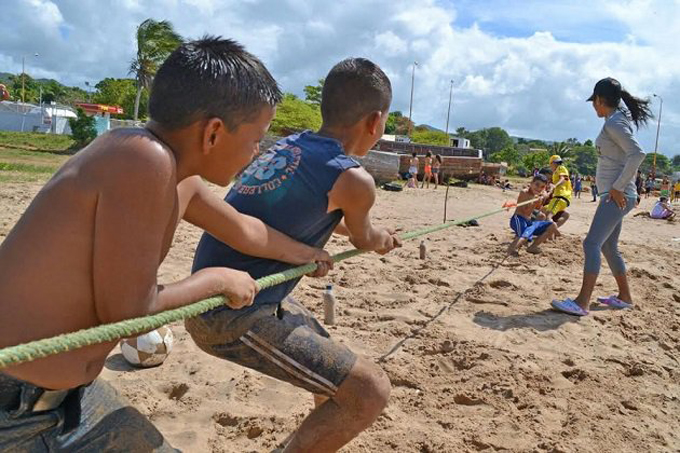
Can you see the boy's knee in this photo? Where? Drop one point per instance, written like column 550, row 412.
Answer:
column 366, row 390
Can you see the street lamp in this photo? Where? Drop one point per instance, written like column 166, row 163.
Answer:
column 410, row 107
column 658, row 127
column 448, row 114
column 23, row 77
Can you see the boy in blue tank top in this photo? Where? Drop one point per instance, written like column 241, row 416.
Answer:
column 308, row 186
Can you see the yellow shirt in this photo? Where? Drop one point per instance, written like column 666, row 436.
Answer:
column 677, row 187
column 564, row 189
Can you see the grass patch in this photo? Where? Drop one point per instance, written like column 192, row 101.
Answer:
column 26, row 168
column 36, row 141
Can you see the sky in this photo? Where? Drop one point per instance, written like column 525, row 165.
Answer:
column 524, row 65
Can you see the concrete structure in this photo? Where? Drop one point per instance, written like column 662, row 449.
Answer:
column 101, row 113
column 459, row 142
column 383, row 166
column 15, row 116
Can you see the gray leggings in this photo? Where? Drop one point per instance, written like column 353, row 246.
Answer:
column 603, row 236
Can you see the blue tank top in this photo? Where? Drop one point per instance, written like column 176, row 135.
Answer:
column 287, row 188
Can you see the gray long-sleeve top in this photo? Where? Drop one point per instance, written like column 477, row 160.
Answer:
column 619, row 153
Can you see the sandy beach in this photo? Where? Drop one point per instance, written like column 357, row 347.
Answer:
column 477, row 360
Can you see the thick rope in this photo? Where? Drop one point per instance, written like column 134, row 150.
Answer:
column 38, row 349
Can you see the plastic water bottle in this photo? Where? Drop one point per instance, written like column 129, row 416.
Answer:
column 423, row 250
column 329, row 306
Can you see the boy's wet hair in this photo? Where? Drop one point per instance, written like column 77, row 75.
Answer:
column 211, row 78
column 663, row 199
column 354, row 88
column 539, row 178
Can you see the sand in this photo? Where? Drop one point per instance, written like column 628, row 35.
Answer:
column 477, row 360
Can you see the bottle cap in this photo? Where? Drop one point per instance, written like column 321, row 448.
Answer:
column 329, row 286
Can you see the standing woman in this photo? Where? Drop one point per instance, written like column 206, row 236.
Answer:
column 427, row 177
column 436, row 167
column 620, row 156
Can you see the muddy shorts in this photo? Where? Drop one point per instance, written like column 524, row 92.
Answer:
column 91, row 418
column 284, row 342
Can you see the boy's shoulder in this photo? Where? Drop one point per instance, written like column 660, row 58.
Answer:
column 125, row 155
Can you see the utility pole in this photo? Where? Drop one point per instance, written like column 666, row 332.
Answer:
column 23, row 77
column 448, row 114
column 410, row 107
column 656, row 143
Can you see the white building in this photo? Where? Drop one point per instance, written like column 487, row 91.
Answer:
column 459, row 142
column 15, row 116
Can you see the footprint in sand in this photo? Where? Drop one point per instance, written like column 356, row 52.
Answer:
column 177, row 391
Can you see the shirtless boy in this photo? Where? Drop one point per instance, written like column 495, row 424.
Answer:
column 525, row 229
column 308, row 186
column 87, row 249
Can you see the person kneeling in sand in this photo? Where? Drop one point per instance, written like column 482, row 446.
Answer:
column 308, row 186
column 525, row 229
column 112, row 210
column 662, row 210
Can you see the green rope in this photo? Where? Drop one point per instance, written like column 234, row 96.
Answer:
column 39, row 349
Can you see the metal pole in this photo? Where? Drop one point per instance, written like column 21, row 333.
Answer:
column 656, row 143
column 410, row 106
column 23, row 79
column 446, row 198
column 448, row 114
column 41, row 108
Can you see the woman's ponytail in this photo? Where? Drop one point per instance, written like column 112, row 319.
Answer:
column 638, row 108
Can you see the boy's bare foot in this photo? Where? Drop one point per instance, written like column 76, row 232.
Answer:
column 534, row 250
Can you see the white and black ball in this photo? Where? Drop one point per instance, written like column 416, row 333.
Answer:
column 148, row 350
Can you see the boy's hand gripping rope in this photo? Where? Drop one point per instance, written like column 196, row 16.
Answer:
column 38, row 349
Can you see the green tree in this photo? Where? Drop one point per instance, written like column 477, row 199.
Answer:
column 31, row 87
column 536, row 159
column 562, row 149
column 293, row 115
column 675, row 161
column 497, row 139
column 584, row 159
column 509, row 155
column 313, row 93
column 397, row 124
column 123, row 93
column 663, row 164
column 429, row 137
column 82, row 128
column 155, row 41
column 588, row 142
column 478, row 139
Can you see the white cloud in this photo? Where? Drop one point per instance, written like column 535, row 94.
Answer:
column 526, row 69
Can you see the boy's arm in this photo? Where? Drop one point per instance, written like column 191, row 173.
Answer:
column 244, row 233
column 354, row 194
column 132, row 222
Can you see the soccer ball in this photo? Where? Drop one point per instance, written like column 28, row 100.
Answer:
column 149, row 349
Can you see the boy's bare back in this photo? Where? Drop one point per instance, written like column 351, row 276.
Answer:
column 61, row 271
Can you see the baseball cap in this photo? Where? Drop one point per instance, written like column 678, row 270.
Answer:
column 555, row 159
column 607, row 88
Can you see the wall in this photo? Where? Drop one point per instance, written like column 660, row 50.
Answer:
column 452, row 166
column 384, row 167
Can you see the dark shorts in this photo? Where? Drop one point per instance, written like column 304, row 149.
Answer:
column 285, row 343
column 90, row 419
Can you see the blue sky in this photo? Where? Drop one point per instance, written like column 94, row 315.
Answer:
column 526, row 66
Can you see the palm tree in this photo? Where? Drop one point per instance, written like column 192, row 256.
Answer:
column 155, row 41
column 561, row 149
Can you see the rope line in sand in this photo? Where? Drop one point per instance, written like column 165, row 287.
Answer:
column 38, row 349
